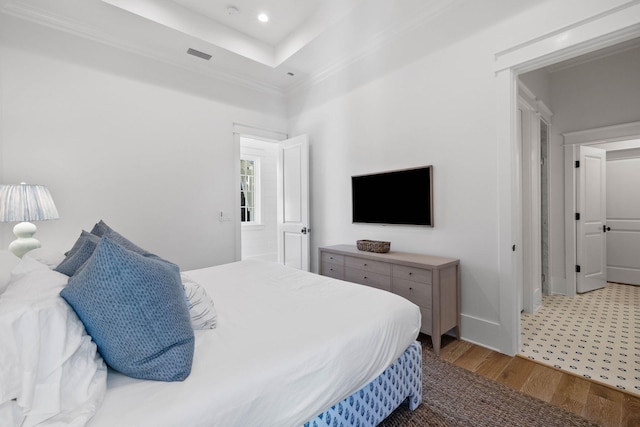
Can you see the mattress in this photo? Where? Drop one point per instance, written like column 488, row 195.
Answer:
column 288, row 345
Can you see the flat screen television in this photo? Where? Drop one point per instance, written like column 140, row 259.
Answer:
column 394, row 197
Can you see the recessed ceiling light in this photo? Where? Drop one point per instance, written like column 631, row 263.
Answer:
column 263, row 17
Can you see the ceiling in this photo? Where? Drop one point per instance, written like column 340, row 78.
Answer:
column 302, row 38
column 286, row 16
column 303, row 42
column 234, row 25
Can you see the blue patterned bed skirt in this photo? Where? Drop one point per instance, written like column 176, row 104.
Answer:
column 367, row 407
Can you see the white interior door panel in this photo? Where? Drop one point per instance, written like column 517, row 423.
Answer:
column 591, row 251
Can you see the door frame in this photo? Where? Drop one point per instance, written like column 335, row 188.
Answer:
column 607, row 26
column 534, row 111
column 572, row 141
column 251, row 132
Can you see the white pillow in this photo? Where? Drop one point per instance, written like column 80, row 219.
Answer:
column 7, row 262
column 50, row 370
column 49, row 257
column 40, row 283
column 201, row 309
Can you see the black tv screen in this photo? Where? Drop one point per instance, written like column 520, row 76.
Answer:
column 394, row 197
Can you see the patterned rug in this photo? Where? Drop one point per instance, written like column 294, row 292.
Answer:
column 595, row 335
column 455, row 397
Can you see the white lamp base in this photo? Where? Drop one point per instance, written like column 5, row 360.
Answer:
column 25, row 241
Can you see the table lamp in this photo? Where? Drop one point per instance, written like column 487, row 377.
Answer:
column 22, row 203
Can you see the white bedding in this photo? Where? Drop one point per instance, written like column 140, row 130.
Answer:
column 50, row 371
column 287, row 346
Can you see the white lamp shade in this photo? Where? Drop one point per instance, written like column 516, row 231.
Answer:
column 26, row 202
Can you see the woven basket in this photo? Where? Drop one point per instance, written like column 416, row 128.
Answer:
column 373, row 246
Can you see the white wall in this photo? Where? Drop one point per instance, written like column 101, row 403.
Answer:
column 435, row 105
column 143, row 145
column 261, row 240
column 596, row 94
column 417, row 115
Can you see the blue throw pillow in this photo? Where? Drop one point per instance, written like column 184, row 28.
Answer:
column 103, row 230
column 135, row 310
column 83, row 236
column 99, row 228
column 73, row 262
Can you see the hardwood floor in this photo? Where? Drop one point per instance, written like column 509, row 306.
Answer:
column 600, row 404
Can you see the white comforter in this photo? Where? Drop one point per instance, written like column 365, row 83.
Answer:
column 288, row 345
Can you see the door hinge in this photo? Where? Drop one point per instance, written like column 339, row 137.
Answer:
column 577, row 269
column 577, row 163
column 577, row 216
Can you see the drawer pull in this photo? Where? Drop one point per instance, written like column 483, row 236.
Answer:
column 365, row 277
column 331, row 269
column 365, row 264
column 410, row 289
column 410, row 274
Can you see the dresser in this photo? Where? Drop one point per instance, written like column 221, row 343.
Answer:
column 430, row 282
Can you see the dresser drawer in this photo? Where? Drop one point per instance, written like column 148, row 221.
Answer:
column 417, row 293
column 368, row 278
column 332, row 258
column 333, row 270
column 368, row 265
column 411, row 273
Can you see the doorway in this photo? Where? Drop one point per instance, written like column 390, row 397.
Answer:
column 258, row 199
column 589, row 334
column 606, row 28
column 621, row 143
column 272, row 202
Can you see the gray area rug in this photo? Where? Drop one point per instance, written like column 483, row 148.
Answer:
column 453, row 396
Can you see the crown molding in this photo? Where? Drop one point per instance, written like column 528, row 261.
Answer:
column 526, row 96
column 76, row 28
column 613, row 133
column 595, row 56
column 573, row 39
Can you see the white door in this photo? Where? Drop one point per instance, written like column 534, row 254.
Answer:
column 293, row 203
column 623, row 216
column 591, row 242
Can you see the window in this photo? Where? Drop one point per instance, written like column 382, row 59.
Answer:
column 249, row 190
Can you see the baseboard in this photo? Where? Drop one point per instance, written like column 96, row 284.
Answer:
column 485, row 333
column 558, row 285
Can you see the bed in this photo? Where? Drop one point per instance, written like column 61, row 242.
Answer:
column 290, row 348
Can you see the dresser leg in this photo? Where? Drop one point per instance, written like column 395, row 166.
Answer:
column 435, row 340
